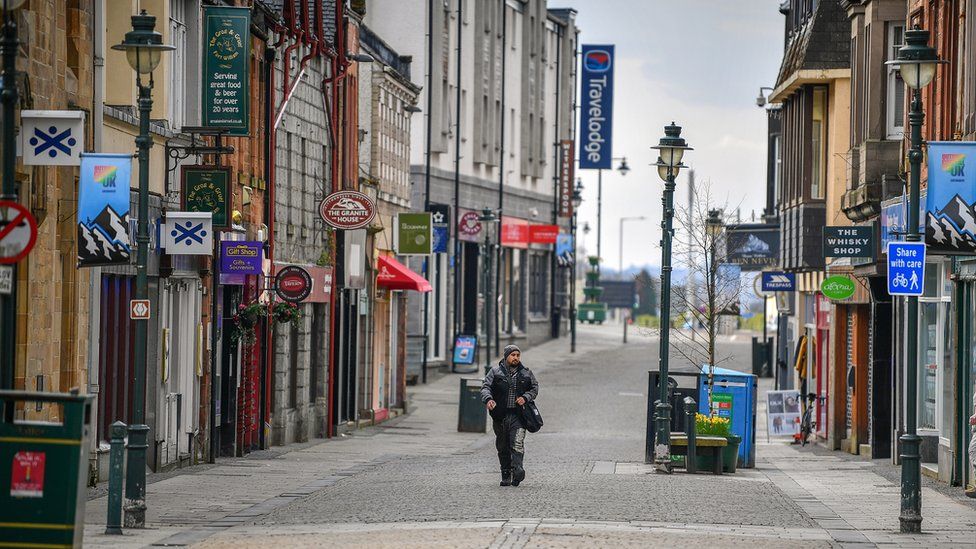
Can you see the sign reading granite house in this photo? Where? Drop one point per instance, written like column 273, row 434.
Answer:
column 596, row 112
column 347, row 210
column 753, row 247
column 205, row 189
column 227, row 43
column 950, row 200
column 851, row 241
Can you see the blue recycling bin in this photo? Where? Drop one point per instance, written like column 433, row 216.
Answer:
column 734, row 397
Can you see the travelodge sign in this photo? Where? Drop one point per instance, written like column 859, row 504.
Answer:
column 347, row 210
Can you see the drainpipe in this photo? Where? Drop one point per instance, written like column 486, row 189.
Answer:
column 95, row 275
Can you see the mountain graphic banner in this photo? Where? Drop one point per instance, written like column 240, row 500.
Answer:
column 103, row 209
column 950, row 201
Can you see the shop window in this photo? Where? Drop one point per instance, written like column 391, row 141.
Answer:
column 538, row 284
column 818, row 143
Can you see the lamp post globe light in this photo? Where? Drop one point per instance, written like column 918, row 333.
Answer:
column 917, row 62
column 671, row 149
column 577, row 201
column 9, row 98
column 143, row 48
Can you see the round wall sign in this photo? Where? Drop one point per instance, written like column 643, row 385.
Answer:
column 837, row 287
column 18, row 232
column 469, row 224
column 293, row 284
column 347, row 210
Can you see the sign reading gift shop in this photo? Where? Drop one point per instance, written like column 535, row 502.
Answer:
column 206, row 189
column 566, row 171
column 103, row 209
column 413, row 233
column 596, row 117
column 950, row 201
column 226, row 47
column 240, row 257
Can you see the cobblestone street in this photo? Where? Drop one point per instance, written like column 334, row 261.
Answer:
column 417, row 482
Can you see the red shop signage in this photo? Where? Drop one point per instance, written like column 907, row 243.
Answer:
column 469, row 227
column 543, row 234
column 515, row 232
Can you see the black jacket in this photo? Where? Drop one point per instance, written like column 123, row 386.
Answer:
column 497, row 383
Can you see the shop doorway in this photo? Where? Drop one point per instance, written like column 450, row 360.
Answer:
column 230, row 371
column 469, row 287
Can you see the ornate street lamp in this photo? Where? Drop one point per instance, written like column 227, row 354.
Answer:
column 9, row 97
column 671, row 148
column 917, row 62
column 143, row 48
column 487, row 219
column 577, row 201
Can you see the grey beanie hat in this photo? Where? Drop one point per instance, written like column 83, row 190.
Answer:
column 509, row 349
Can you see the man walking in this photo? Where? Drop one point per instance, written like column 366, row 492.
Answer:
column 507, row 387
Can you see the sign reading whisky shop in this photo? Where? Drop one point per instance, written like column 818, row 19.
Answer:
column 226, row 46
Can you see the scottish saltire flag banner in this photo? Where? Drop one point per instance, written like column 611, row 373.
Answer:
column 103, row 209
column 950, row 201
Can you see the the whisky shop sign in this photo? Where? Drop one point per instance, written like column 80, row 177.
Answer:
column 206, row 189
column 347, row 210
column 227, row 42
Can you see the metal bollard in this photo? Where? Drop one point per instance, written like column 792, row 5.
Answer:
column 691, row 408
column 116, row 463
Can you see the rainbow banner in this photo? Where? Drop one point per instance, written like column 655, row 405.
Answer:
column 103, row 209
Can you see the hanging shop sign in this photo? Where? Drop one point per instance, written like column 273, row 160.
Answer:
column 564, row 250
column 752, row 246
column 226, row 87
column 837, row 287
column 103, row 209
column 18, row 232
column 567, row 165
column 440, row 219
column 354, row 259
column 293, row 284
column 413, row 233
column 241, row 257
column 950, row 201
column 596, row 117
column 855, row 241
column 206, row 189
column 515, row 232
column 543, row 234
column 469, row 227
column 777, row 281
column 52, row 138
column 347, row 210
column 188, row 233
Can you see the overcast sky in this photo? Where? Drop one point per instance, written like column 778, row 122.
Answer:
column 697, row 62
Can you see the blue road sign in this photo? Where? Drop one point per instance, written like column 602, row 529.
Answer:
column 906, row 268
column 774, row 281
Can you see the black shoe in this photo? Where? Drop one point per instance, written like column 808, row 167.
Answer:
column 518, row 476
column 506, row 478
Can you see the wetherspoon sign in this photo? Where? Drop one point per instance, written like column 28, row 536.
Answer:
column 566, row 165
column 225, row 68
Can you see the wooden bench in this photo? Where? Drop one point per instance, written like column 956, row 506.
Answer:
column 704, row 446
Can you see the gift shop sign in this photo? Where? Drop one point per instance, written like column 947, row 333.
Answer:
column 240, row 257
column 227, row 42
column 347, row 210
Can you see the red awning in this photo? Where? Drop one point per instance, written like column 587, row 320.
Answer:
column 397, row 276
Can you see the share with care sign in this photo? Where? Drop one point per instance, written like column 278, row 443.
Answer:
column 906, row 268
column 188, row 233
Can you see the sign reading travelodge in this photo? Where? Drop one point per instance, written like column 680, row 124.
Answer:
column 596, row 120
column 950, row 202
column 347, row 210
column 227, row 42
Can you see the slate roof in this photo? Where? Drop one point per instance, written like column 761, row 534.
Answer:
column 821, row 42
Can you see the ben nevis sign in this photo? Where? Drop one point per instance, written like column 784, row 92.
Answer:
column 596, row 118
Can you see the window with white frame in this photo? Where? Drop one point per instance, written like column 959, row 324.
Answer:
column 895, row 95
column 178, row 38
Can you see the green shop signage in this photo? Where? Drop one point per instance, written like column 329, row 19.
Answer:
column 413, row 233
column 837, row 287
column 206, row 189
column 226, row 50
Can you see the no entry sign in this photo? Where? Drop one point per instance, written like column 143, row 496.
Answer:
column 18, row 232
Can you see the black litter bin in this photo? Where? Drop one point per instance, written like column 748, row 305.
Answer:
column 682, row 384
column 472, row 414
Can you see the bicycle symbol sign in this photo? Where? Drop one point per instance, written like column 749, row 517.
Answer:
column 906, row 268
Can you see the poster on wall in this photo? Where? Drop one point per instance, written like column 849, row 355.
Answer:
column 103, row 209
column 226, row 48
column 783, row 413
column 950, row 201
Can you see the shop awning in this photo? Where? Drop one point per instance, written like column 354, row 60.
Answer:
column 397, row 276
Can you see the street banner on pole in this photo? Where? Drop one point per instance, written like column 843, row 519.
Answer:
column 567, row 166
column 564, row 249
column 950, row 199
column 206, row 189
column 440, row 219
column 906, row 268
column 52, row 138
column 596, row 117
column 103, row 209
column 226, row 45
column 413, row 233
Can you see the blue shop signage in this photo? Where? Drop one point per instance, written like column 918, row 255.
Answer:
column 596, row 117
column 776, row 281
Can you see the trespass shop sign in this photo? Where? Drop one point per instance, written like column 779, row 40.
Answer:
column 596, row 120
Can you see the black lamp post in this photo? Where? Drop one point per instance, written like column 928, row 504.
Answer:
column 713, row 226
column 624, row 169
column 916, row 62
column 487, row 219
column 9, row 97
column 577, row 200
column 671, row 149
column 143, row 48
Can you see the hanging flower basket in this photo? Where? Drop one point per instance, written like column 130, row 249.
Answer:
column 246, row 322
column 284, row 312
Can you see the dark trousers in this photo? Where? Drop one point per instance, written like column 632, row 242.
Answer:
column 509, row 440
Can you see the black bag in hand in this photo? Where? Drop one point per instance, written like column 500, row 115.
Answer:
column 531, row 418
